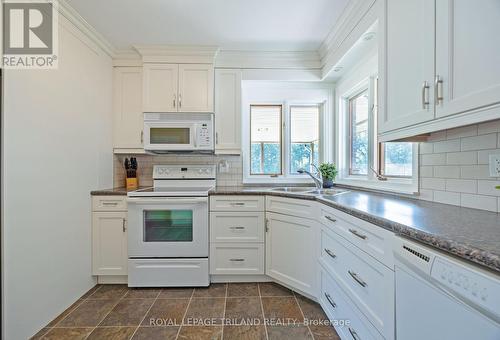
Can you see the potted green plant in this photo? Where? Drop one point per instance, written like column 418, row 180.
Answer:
column 328, row 173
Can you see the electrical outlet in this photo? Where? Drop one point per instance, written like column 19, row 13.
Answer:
column 495, row 165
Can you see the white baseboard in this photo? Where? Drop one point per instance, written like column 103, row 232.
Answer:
column 239, row 278
column 112, row 279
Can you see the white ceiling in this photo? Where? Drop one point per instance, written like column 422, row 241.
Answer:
column 270, row 25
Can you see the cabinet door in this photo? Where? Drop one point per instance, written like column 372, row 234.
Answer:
column 127, row 108
column 196, row 88
column 407, row 71
column 467, row 50
column 228, row 112
column 160, row 87
column 109, row 243
column 290, row 251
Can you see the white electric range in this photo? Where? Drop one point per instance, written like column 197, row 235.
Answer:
column 168, row 228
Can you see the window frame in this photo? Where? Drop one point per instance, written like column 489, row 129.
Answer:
column 350, row 100
column 280, row 173
column 404, row 185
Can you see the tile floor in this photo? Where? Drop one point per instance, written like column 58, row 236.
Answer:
column 250, row 311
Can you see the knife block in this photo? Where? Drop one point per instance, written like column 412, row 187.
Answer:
column 131, row 183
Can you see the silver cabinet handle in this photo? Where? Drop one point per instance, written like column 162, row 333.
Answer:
column 180, row 101
column 174, row 100
column 438, row 90
column 425, row 95
column 330, row 253
column 356, row 233
column 142, row 137
column 354, row 335
column 238, row 204
column 357, row 278
column 329, row 218
column 217, row 138
column 124, row 222
column 114, row 204
column 267, row 225
column 330, row 300
column 237, row 228
column 237, row 260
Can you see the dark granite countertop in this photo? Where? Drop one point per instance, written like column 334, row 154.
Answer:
column 471, row 234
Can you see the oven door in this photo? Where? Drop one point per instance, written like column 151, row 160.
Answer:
column 172, row 136
column 167, row 227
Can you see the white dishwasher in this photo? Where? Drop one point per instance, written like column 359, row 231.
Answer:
column 439, row 297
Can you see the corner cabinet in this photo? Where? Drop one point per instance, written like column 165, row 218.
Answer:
column 178, row 87
column 228, row 111
column 438, row 67
column 127, row 109
column 109, row 236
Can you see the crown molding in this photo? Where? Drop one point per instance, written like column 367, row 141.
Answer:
column 66, row 10
column 268, row 59
column 177, row 53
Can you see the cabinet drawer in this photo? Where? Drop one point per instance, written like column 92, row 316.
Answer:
column 237, row 258
column 237, row 203
column 369, row 238
column 349, row 322
column 236, row 226
column 292, row 207
column 109, row 203
column 367, row 282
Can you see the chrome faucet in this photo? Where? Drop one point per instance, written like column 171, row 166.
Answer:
column 318, row 179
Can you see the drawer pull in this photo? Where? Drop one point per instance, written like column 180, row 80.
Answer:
column 354, row 335
column 329, row 252
column 237, row 260
column 329, row 218
column 357, row 278
column 237, row 228
column 356, row 233
column 330, row 300
column 237, row 204
column 110, row 203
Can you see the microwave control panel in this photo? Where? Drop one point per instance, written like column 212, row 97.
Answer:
column 204, row 133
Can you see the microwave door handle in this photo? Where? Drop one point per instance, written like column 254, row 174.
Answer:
column 195, row 136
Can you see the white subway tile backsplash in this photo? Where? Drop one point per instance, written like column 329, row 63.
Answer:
column 433, row 183
column 481, row 142
column 464, row 131
column 461, row 185
column 446, row 171
column 479, row 202
column 433, row 159
column 488, row 188
column 463, row 179
column 447, row 197
column 447, row 146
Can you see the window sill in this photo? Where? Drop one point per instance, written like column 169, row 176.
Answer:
column 398, row 186
column 281, row 180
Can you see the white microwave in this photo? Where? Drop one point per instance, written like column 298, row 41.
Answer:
column 178, row 132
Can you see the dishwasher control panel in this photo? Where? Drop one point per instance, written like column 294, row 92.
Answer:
column 475, row 286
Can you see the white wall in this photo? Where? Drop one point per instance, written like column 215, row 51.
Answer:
column 57, row 144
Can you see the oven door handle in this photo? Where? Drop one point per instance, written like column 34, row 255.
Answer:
column 163, row 200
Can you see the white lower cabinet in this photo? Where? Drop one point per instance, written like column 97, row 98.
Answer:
column 109, row 243
column 348, row 321
column 237, row 258
column 291, row 251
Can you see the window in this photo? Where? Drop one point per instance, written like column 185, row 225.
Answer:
column 363, row 161
column 304, row 137
column 396, row 159
column 358, row 118
column 265, row 139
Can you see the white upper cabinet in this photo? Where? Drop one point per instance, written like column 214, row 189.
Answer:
column 127, row 108
column 160, row 87
column 196, row 88
column 228, row 111
column 467, row 52
column 410, row 63
column 438, row 65
column 178, row 88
